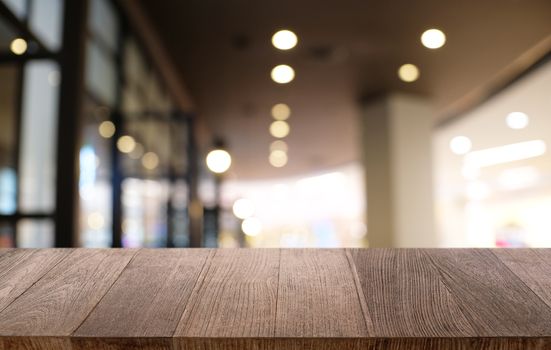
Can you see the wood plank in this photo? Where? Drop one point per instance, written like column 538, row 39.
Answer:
column 317, row 295
column 494, row 300
column 532, row 266
column 124, row 343
column 149, row 297
column 20, row 268
column 235, row 297
column 60, row 301
column 405, row 296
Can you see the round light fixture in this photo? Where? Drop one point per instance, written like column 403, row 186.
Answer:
column 281, row 111
column 126, row 144
column 251, row 226
column 408, row 72
column 278, row 158
column 18, row 46
column 433, row 38
column 284, row 39
column 517, row 120
column 279, row 129
column 150, row 160
column 243, row 208
column 106, row 129
column 460, row 145
column 218, row 161
column 283, row 74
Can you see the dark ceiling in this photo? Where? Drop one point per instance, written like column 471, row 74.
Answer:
column 346, row 49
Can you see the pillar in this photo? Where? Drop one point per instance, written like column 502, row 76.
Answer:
column 397, row 134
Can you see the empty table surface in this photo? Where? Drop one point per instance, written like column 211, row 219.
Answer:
column 275, row 299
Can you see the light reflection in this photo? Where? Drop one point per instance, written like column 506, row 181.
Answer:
column 150, row 160
column 218, row 161
column 408, row 73
column 279, row 145
column 243, row 208
column 251, row 226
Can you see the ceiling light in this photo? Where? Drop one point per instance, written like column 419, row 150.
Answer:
column 283, row 74
column 505, row 154
column 126, row 144
column 461, row 145
column 18, row 46
column 279, row 129
column 408, row 73
column 150, row 160
column 284, row 39
column 251, row 226
column 517, row 120
column 106, row 129
column 281, row 111
column 243, row 208
column 278, row 158
column 279, row 145
column 517, row 178
column 218, row 161
column 433, row 38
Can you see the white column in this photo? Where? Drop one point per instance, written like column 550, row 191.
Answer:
column 397, row 134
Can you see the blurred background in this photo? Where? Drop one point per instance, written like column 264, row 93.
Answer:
column 202, row 123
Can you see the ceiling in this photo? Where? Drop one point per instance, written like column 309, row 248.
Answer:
column 346, row 49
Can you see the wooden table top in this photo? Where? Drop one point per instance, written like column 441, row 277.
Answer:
column 275, row 299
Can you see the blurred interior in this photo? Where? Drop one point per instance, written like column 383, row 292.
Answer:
column 127, row 123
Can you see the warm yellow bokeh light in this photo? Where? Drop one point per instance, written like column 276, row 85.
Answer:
column 279, row 129
column 281, row 111
column 278, row 158
column 96, row 221
column 433, row 39
column 279, row 145
column 218, row 161
column 283, row 74
column 18, row 46
column 106, row 129
column 408, row 73
column 243, row 208
column 126, row 144
column 284, row 39
column 251, row 226
column 150, row 160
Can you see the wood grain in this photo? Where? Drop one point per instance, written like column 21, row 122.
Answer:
column 405, row 296
column 20, row 268
column 60, row 301
column 271, row 299
column 155, row 287
column 317, row 295
column 235, row 296
column 494, row 300
column 532, row 266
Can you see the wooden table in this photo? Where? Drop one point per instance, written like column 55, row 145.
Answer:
column 275, row 299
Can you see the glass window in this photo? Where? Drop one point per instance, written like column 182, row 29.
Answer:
column 104, row 22
column 95, row 186
column 7, row 34
column 6, row 235
column 100, row 74
column 9, row 76
column 35, row 233
column 38, row 135
column 46, row 22
column 18, row 7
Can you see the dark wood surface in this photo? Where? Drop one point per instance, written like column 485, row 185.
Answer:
column 208, row 299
